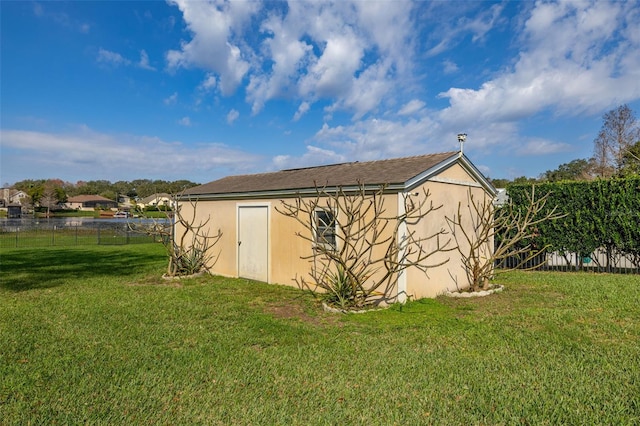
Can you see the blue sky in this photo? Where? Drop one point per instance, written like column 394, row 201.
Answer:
column 199, row 90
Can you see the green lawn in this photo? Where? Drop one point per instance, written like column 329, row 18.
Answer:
column 93, row 335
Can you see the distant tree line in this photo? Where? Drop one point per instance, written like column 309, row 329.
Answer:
column 616, row 153
column 49, row 192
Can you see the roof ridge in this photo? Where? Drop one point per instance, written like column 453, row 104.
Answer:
column 318, row 166
column 369, row 161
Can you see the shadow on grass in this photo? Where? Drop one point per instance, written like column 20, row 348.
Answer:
column 45, row 268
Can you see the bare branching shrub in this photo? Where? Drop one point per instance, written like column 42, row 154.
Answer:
column 487, row 235
column 358, row 250
column 189, row 243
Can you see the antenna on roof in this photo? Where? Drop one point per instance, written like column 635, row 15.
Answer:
column 461, row 138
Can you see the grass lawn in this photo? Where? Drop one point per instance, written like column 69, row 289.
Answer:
column 93, row 335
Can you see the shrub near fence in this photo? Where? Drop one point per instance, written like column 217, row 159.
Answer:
column 601, row 227
column 46, row 235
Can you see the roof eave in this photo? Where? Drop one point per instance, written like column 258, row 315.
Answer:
column 288, row 193
column 430, row 172
column 477, row 174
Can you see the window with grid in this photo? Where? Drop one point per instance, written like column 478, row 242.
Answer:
column 325, row 228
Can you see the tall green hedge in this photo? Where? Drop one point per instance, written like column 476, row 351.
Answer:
column 598, row 214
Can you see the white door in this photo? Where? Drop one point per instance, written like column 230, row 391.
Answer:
column 253, row 223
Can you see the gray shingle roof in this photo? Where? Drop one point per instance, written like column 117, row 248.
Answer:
column 394, row 171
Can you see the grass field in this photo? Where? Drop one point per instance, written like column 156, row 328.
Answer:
column 93, row 335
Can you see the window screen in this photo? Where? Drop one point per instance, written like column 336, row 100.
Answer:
column 326, row 228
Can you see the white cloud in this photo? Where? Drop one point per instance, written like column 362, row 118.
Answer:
column 449, row 67
column 232, row 116
column 60, row 18
column 314, row 156
column 481, row 24
column 84, row 153
column 366, row 92
column 171, row 100
column 536, row 146
column 111, row 58
column 463, row 18
column 144, row 61
column 348, row 52
column 289, row 54
column 331, row 73
column 302, row 110
column 573, row 60
column 213, row 46
column 115, row 59
column 209, row 83
column 485, row 170
column 38, row 9
column 185, row 121
column 412, row 107
column 376, row 138
column 373, row 139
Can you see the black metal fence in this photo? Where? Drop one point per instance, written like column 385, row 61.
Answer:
column 599, row 261
column 46, row 234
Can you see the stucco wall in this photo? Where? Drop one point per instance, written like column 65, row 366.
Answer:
column 285, row 248
column 218, row 215
column 450, row 275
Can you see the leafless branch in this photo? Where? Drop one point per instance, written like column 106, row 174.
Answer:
column 371, row 246
column 487, row 235
column 189, row 243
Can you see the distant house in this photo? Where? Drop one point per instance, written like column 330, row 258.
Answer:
column 155, row 200
column 18, row 197
column 125, row 202
column 12, row 196
column 90, row 202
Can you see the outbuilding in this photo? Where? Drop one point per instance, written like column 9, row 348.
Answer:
column 14, row 211
column 260, row 243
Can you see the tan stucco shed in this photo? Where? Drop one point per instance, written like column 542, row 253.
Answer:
column 260, row 243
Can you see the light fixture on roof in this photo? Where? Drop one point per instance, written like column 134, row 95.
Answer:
column 461, row 138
